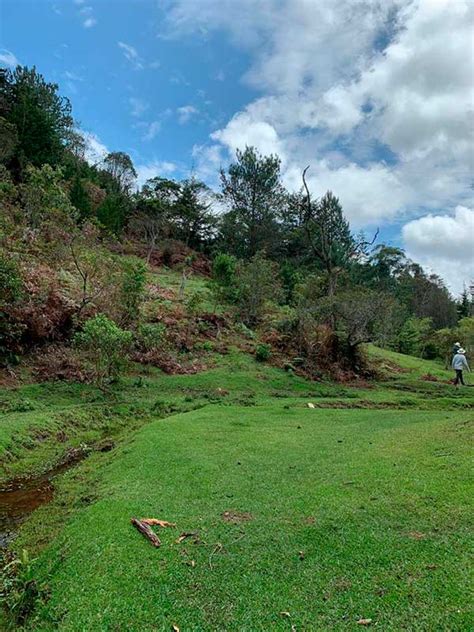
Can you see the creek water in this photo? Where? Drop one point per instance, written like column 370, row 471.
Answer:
column 21, row 496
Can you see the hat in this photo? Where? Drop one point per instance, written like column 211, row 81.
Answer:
column 457, row 344
column 460, row 350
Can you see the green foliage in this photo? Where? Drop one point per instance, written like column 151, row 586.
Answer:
column 254, row 195
column 11, row 292
column 224, row 284
column 80, row 198
column 263, row 352
column 20, row 592
column 257, row 283
column 46, row 199
column 106, row 346
column 150, row 336
column 132, row 289
column 41, row 118
column 11, row 282
column 414, row 336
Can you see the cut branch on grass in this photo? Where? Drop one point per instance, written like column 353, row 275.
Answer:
column 146, row 530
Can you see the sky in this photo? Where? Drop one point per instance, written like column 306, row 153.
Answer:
column 377, row 96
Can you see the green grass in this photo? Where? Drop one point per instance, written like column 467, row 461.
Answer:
column 372, row 486
column 352, row 490
column 39, row 422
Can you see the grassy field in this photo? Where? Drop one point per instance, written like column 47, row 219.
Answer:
column 356, row 509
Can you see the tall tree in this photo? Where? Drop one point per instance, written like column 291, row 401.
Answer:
column 42, row 118
column 192, row 215
column 252, row 190
column 120, row 166
column 329, row 236
column 152, row 219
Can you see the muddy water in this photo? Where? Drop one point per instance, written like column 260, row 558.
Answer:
column 20, row 497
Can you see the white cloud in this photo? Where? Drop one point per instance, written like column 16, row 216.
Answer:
column 207, row 161
column 86, row 13
column 89, row 23
column 152, row 169
column 337, row 98
column 95, row 149
column 131, row 54
column 7, row 58
column 72, row 76
column 444, row 244
column 152, row 130
column 185, row 113
column 138, row 106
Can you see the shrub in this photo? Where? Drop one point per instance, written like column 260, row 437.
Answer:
column 11, row 283
column 223, row 284
column 414, row 335
column 106, row 345
column 150, row 336
column 132, row 289
column 257, row 284
column 11, row 291
column 262, row 352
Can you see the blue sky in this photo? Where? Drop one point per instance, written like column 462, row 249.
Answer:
column 129, row 82
column 375, row 96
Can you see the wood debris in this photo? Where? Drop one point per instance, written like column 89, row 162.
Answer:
column 146, row 531
column 160, row 523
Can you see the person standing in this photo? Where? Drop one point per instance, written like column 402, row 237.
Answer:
column 459, row 364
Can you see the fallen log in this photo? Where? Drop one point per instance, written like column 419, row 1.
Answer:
column 146, row 531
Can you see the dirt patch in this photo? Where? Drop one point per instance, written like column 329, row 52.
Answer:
column 236, row 517
column 429, row 378
column 310, row 520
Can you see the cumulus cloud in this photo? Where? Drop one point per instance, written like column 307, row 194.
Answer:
column 8, row 59
column 444, row 244
column 376, row 96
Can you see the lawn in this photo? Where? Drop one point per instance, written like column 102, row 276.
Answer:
column 356, row 509
column 346, row 515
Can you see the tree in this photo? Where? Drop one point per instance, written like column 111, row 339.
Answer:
column 191, row 214
column 120, row 166
column 257, row 283
column 154, row 211
column 252, row 190
column 329, row 237
column 41, row 117
column 106, row 346
column 464, row 304
column 414, row 336
column 426, row 296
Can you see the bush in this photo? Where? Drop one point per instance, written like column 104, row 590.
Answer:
column 11, row 283
column 132, row 289
column 257, row 284
column 150, row 336
column 223, row 284
column 11, row 291
column 262, row 352
column 106, row 345
column 414, row 336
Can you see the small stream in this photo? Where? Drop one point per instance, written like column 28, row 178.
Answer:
column 21, row 496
